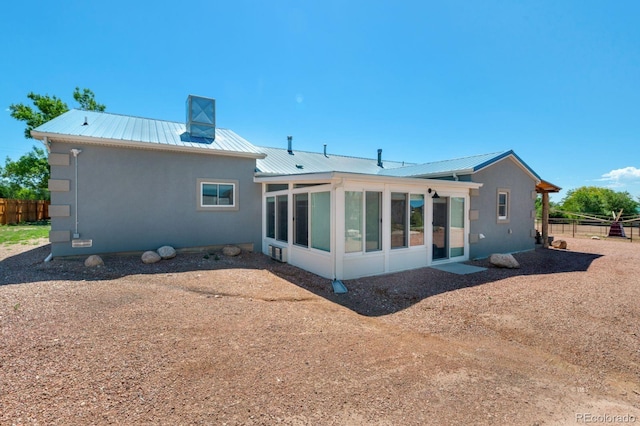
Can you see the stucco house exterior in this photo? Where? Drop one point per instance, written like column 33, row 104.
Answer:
column 121, row 184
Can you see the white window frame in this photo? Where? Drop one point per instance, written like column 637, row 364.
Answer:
column 309, row 190
column 507, row 206
column 424, row 211
column 220, row 207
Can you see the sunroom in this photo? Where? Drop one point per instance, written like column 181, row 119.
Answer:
column 347, row 225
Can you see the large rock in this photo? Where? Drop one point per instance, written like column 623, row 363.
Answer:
column 231, row 250
column 93, row 260
column 559, row 244
column 150, row 257
column 167, row 252
column 504, row 261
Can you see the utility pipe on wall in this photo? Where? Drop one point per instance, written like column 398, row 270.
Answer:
column 75, row 153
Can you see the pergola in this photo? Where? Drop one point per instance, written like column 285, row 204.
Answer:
column 545, row 188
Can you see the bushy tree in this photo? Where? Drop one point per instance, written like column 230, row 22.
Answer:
column 598, row 201
column 26, row 178
column 49, row 107
column 553, row 209
column 86, row 100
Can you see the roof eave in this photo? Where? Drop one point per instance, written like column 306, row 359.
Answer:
column 56, row 137
column 306, row 177
column 517, row 159
column 448, row 173
column 548, row 187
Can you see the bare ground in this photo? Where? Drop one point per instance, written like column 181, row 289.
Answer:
column 206, row 339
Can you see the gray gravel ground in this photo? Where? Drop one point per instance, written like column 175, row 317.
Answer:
column 207, row 339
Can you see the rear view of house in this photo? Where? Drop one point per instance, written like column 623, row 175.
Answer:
column 121, row 183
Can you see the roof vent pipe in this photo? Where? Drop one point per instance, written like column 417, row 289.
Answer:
column 380, row 158
column 289, row 141
column 325, row 149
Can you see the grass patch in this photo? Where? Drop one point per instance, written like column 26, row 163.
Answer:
column 24, row 233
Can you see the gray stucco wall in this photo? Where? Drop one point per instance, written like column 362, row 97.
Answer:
column 134, row 199
column 515, row 235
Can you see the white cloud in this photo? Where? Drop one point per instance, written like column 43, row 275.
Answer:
column 618, row 176
column 624, row 179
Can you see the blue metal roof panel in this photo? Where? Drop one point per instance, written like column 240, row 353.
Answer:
column 279, row 162
column 124, row 128
column 465, row 164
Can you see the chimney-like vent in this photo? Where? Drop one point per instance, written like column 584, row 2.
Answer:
column 380, row 158
column 289, row 144
column 325, row 150
column 201, row 117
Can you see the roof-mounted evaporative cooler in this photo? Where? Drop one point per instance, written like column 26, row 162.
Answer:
column 201, row 117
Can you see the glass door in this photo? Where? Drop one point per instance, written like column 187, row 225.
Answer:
column 440, row 228
column 457, row 227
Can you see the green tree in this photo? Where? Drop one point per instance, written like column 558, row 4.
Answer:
column 598, row 201
column 552, row 209
column 26, row 178
column 49, row 107
column 87, row 100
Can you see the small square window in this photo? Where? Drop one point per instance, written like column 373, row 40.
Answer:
column 216, row 195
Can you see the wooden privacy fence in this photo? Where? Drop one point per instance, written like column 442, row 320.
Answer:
column 17, row 211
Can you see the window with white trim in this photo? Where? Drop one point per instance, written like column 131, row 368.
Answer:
column 363, row 226
column 504, row 196
column 217, row 195
column 277, row 217
column 312, row 224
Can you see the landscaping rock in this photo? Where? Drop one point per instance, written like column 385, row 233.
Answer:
column 167, row 252
column 231, row 250
column 504, row 261
column 93, row 260
column 559, row 244
column 150, row 257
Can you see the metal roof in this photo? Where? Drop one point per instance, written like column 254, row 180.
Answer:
column 279, row 162
column 465, row 165
column 460, row 165
column 123, row 130
column 110, row 128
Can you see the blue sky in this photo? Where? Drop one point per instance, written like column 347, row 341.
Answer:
column 556, row 81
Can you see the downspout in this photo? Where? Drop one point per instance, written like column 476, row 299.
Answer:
column 45, row 142
column 75, row 153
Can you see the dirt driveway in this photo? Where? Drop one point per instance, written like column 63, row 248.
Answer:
column 206, row 339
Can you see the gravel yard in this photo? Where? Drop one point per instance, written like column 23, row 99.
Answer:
column 208, row 339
